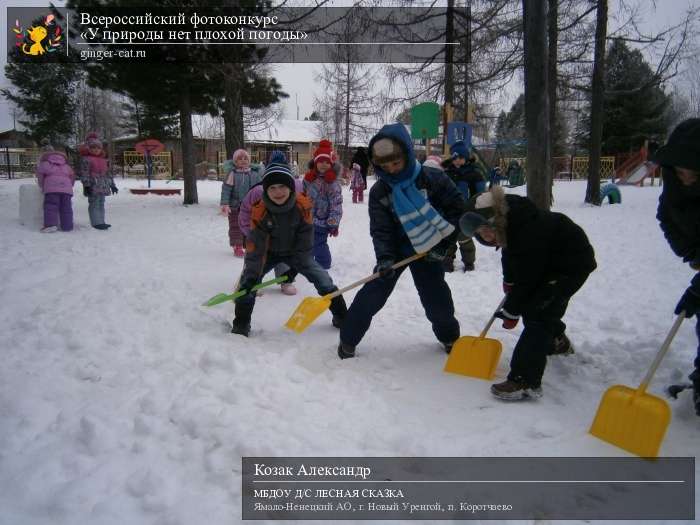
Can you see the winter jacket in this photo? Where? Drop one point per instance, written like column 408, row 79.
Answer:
column 237, row 184
column 357, row 182
column 95, row 173
column 285, row 231
column 327, row 196
column 679, row 217
column 388, row 235
column 539, row 248
column 54, row 174
column 251, row 199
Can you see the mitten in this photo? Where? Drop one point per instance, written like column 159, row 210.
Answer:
column 114, row 188
column 509, row 321
column 437, row 254
column 689, row 303
column 333, row 232
column 384, row 267
column 226, row 209
column 507, row 287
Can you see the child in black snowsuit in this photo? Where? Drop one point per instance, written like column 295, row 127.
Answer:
column 281, row 232
column 546, row 258
column 409, row 212
column 679, row 217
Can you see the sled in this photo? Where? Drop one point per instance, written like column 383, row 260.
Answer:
column 476, row 356
column 632, row 419
column 222, row 297
column 311, row 307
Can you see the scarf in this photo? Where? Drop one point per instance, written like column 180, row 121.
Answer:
column 423, row 225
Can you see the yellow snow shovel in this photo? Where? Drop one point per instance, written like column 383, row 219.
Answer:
column 311, row 307
column 632, row 419
column 476, row 356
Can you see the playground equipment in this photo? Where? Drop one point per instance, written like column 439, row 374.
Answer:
column 637, row 168
column 425, row 121
column 611, row 192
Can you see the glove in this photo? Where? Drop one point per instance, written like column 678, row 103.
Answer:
column 87, row 191
column 509, row 322
column 437, row 254
column 385, row 269
column 247, row 285
column 225, row 209
column 507, row 287
column 114, row 188
column 689, row 303
column 695, row 265
column 333, row 232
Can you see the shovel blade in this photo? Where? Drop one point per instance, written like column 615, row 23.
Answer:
column 217, row 299
column 474, row 357
column 307, row 312
column 633, row 421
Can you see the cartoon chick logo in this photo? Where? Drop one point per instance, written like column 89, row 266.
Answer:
column 33, row 43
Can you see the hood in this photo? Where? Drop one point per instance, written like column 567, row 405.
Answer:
column 682, row 148
column 398, row 133
column 54, row 157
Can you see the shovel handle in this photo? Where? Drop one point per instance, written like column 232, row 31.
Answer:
column 374, row 276
column 662, row 352
column 493, row 318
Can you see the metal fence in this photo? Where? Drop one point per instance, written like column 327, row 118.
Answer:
column 134, row 165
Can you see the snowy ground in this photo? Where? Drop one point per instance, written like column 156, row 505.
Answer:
column 124, row 401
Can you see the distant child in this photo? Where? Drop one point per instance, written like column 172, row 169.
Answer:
column 96, row 176
column 357, row 184
column 679, row 218
column 546, row 258
column 467, row 250
column 245, row 215
column 282, row 232
column 464, row 172
column 56, row 179
column 322, row 186
column 235, row 187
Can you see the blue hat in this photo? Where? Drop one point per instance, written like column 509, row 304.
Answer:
column 459, row 149
column 278, row 172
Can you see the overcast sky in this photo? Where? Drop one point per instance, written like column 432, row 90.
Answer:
column 298, row 80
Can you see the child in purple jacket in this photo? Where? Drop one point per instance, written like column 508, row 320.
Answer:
column 56, row 178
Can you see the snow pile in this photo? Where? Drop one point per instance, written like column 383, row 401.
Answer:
column 122, row 400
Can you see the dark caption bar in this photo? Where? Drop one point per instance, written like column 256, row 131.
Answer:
column 468, row 488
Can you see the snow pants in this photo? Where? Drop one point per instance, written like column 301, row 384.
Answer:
column 235, row 236
column 96, row 209
column 358, row 195
column 542, row 323
column 435, row 296
column 322, row 253
column 58, row 206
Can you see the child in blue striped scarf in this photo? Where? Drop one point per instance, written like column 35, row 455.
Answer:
column 410, row 212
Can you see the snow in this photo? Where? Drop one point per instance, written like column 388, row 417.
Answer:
column 122, row 400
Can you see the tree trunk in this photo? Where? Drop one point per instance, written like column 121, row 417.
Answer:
column 187, row 144
column 449, row 69
column 536, row 103
column 346, row 149
column 598, row 92
column 233, row 111
column 553, row 38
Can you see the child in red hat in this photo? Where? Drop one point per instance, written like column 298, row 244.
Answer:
column 321, row 184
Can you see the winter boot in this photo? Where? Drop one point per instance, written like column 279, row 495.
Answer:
column 515, row 390
column 468, row 267
column 449, row 264
column 49, row 229
column 339, row 310
column 448, row 346
column 288, row 289
column 695, row 379
column 238, row 250
column 562, row 346
column 241, row 322
column 100, row 226
column 346, row 351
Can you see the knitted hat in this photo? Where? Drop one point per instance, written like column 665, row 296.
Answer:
column 240, row 153
column 93, row 139
column 277, row 172
column 324, row 152
column 433, row 161
column 480, row 213
column 386, row 150
column 682, row 148
column 356, row 167
column 459, row 149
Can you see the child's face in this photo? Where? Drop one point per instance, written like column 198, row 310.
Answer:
column 278, row 193
column 95, row 149
column 459, row 161
column 393, row 167
column 488, row 234
column 242, row 162
column 323, row 166
column 686, row 176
